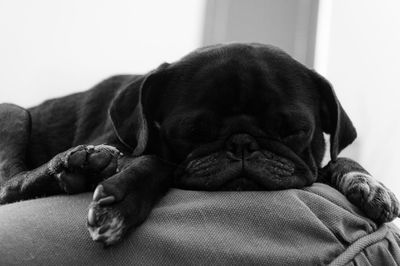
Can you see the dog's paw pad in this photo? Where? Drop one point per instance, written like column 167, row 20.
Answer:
column 76, row 158
column 80, row 168
column 105, row 224
column 100, row 159
column 377, row 202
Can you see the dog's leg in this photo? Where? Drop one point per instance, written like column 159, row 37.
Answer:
column 362, row 189
column 126, row 199
column 75, row 170
column 14, row 137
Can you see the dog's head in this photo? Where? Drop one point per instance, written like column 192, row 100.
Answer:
column 236, row 116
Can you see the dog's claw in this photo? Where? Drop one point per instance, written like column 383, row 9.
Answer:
column 91, row 217
column 101, row 197
column 98, row 193
column 107, row 200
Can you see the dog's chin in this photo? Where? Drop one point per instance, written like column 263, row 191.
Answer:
column 264, row 171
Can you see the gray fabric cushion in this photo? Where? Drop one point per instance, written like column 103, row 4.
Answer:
column 313, row 226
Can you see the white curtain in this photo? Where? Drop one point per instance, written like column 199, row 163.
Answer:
column 358, row 50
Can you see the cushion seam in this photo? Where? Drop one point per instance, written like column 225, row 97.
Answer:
column 349, row 254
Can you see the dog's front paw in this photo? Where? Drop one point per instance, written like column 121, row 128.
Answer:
column 74, row 167
column 102, row 159
column 105, row 224
column 109, row 216
column 377, row 201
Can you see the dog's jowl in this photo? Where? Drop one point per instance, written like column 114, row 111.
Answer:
column 224, row 117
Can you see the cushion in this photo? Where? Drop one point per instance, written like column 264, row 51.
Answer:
column 315, row 225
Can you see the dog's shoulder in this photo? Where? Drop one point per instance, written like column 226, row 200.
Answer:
column 74, row 119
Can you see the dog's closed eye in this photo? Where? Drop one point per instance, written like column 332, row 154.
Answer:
column 295, row 130
column 201, row 128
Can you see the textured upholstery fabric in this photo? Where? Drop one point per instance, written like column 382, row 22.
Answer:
column 313, row 226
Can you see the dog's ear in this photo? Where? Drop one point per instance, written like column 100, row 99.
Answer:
column 127, row 112
column 334, row 119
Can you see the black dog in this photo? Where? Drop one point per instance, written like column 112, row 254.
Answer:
column 225, row 117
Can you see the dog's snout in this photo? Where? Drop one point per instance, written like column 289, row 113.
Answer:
column 241, row 146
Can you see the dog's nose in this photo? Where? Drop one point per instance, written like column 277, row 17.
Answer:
column 241, row 146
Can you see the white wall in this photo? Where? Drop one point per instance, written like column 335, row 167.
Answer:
column 358, row 50
column 52, row 48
